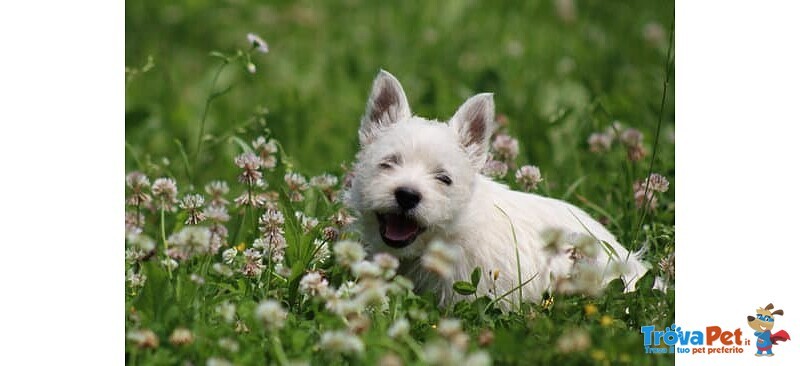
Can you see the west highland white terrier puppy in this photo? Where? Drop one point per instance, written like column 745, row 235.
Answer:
column 418, row 182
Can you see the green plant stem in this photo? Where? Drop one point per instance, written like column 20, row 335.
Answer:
column 667, row 65
column 278, row 349
column 516, row 250
column 210, row 98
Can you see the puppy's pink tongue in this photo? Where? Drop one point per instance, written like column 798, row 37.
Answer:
column 399, row 227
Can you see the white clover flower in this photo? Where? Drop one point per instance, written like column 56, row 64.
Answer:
column 478, row 358
column 229, row 255
column 449, row 327
column 137, row 280
column 348, row 252
column 365, row 269
column 251, row 67
column 324, row 182
column 143, row 338
column 575, row 340
column 169, row 263
column 228, row 344
column 295, row 181
column 631, row 137
column 181, row 336
column 222, row 269
column 495, row 169
column 166, row 192
column 399, row 328
column 341, row 342
column 657, row 182
column 506, row 147
column 196, row 278
column 600, row 142
column 387, row 263
column 271, row 313
column 442, row 353
column 371, row 292
column 306, row 222
column 192, row 240
column 528, row 177
column 584, row 243
column 227, row 311
column 313, row 284
column 322, row 252
column 440, row 259
column 218, row 361
column 343, row 307
column 142, row 242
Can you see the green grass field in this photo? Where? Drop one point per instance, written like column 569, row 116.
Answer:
column 580, row 85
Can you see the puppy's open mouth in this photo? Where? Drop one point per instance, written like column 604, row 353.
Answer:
column 398, row 230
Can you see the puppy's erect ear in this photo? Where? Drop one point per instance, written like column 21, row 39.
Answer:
column 474, row 123
column 770, row 306
column 387, row 104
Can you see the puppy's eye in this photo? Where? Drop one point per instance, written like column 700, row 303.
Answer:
column 384, row 165
column 444, row 179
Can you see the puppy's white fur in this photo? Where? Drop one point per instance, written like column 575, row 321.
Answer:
column 473, row 214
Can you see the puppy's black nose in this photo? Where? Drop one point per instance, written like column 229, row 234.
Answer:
column 407, row 198
column 751, row 318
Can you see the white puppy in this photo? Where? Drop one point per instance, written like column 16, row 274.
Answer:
column 418, row 181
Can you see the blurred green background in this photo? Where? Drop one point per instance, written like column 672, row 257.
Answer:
column 559, row 70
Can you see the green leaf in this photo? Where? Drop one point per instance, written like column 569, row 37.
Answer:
column 476, row 276
column 464, row 288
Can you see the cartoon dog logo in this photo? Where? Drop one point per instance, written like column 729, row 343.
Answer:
column 762, row 323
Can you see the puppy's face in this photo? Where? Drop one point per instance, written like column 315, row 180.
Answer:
column 413, row 177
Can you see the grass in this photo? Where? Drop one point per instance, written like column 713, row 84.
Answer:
column 192, row 107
